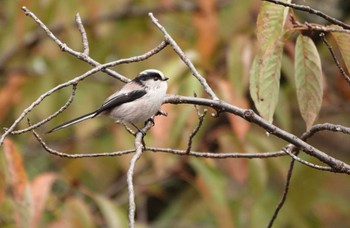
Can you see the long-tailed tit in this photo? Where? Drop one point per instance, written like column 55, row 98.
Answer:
column 135, row 103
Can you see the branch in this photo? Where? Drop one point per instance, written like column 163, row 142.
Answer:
column 161, row 150
column 116, row 15
column 64, row 107
column 284, row 195
column 310, row 10
column 138, row 152
column 217, row 155
column 67, row 49
column 314, row 129
column 342, row 71
column 251, row 116
column 325, row 127
column 201, row 117
column 184, row 58
column 291, row 148
column 65, row 155
column 84, row 38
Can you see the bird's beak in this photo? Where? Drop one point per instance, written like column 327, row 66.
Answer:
column 165, row 79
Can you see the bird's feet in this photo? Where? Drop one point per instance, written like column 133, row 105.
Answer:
column 150, row 120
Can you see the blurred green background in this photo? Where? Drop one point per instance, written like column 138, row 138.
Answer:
column 171, row 191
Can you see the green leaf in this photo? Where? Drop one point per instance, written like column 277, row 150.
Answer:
column 77, row 214
column 113, row 215
column 212, row 177
column 264, row 80
column 308, row 79
column 343, row 42
column 270, row 23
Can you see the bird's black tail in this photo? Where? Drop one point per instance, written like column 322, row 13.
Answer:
column 73, row 121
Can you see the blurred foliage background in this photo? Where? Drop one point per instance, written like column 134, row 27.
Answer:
column 171, row 191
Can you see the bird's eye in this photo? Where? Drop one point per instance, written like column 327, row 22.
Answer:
column 156, row 79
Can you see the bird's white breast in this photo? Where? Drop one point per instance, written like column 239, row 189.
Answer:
column 140, row 110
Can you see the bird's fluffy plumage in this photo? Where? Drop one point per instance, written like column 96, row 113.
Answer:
column 134, row 104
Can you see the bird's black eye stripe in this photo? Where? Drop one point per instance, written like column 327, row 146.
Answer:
column 149, row 75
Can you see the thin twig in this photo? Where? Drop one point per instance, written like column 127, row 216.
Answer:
column 320, row 28
column 218, row 155
column 112, row 16
column 67, row 49
column 184, row 58
column 325, row 127
column 314, row 129
column 311, row 11
column 201, row 117
column 64, row 107
column 284, row 195
column 289, row 150
column 65, row 155
column 341, row 69
column 138, row 152
column 82, row 31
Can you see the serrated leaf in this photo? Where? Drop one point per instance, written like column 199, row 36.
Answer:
column 270, row 23
column 308, row 79
column 264, row 80
column 343, row 42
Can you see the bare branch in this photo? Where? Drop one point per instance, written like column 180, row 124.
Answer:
column 82, row 31
column 201, row 117
column 64, row 107
column 250, row 115
column 184, row 58
column 325, row 127
column 284, row 195
column 138, row 152
column 291, row 148
column 217, row 155
column 342, row 71
column 77, row 54
column 311, row 11
column 114, row 15
column 61, row 154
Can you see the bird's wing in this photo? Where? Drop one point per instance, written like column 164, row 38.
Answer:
column 119, row 99
column 113, row 101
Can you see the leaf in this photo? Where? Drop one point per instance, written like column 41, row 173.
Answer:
column 266, row 69
column 343, row 42
column 264, row 80
column 114, row 216
column 19, row 184
column 40, row 188
column 18, row 175
column 270, row 23
column 212, row 185
column 308, row 79
column 76, row 213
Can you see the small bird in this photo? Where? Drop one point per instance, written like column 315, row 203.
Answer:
column 135, row 103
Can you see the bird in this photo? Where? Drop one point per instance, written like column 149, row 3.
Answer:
column 135, row 103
